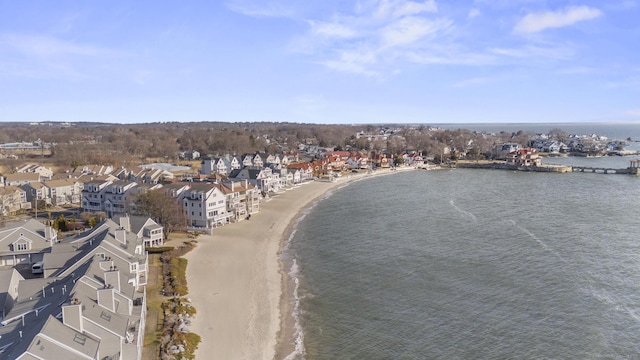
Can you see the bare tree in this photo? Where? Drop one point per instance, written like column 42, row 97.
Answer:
column 162, row 208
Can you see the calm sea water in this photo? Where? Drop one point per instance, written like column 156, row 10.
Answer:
column 471, row 264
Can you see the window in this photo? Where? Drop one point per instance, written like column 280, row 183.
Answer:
column 21, row 247
column 105, row 316
column 80, row 339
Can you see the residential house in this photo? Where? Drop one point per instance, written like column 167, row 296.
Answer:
column 122, row 173
column 343, row 155
column 236, row 163
column 247, row 160
column 9, row 280
column 149, row 175
column 36, row 191
column 259, row 177
column 382, row 161
column 248, row 195
column 219, row 165
column 287, row 158
column 259, row 160
column 96, row 169
column 13, row 200
column 65, row 191
column 414, row 159
column 273, row 159
column 205, row 206
column 45, row 172
column 336, row 163
column 525, row 157
column 505, row 149
column 305, row 171
column 19, row 179
column 116, row 198
column 93, row 192
column 25, row 242
column 91, row 303
column 357, row 161
column 189, row 155
column 151, row 233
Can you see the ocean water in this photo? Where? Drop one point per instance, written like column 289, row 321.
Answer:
column 464, row 263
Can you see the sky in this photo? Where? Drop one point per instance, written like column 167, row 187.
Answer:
column 323, row 61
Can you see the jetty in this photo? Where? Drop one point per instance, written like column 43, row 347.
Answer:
column 495, row 165
column 634, row 165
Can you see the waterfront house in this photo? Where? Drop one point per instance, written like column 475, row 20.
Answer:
column 525, row 157
column 205, row 206
column 505, row 149
column 145, row 228
column 259, row 177
column 414, row 159
column 304, row 170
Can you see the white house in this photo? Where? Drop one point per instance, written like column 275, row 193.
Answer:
column 205, row 206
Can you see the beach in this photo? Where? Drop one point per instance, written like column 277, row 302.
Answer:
column 236, row 283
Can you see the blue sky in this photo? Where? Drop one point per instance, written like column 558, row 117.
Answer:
column 330, row 61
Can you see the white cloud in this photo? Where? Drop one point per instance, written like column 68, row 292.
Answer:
column 349, row 67
column 408, row 30
column 634, row 112
column 532, row 52
column 268, row 9
column 332, row 30
column 536, row 22
column 48, row 46
column 399, row 8
column 474, row 13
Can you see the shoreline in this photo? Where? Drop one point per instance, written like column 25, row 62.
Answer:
column 239, row 284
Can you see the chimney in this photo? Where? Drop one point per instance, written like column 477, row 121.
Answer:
column 106, row 298
column 125, row 223
column 106, row 264
column 246, row 183
column 112, row 278
column 121, row 236
column 232, row 185
column 48, row 233
column 72, row 315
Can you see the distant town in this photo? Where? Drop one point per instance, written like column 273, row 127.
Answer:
column 82, row 206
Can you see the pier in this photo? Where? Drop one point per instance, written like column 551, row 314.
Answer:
column 601, row 170
column 634, row 165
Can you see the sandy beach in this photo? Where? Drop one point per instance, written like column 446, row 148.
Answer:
column 236, row 283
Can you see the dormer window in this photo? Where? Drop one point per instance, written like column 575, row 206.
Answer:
column 22, row 247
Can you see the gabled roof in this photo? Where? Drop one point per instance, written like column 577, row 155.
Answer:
column 31, row 177
column 59, row 183
column 31, row 230
column 47, row 344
